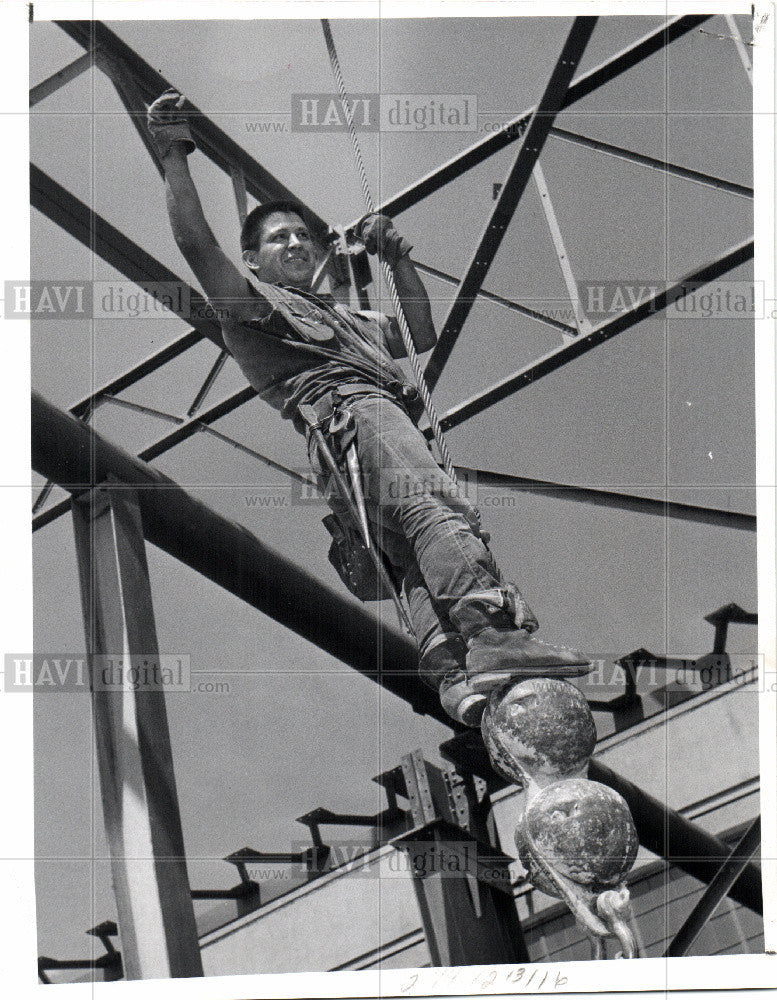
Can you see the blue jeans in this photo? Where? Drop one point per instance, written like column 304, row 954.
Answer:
column 427, row 530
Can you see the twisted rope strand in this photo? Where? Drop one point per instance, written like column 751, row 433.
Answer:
column 404, row 328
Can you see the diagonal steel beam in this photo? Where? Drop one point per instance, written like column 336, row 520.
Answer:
column 541, row 317
column 52, row 83
column 181, row 433
column 211, row 140
column 613, row 498
column 208, row 383
column 239, row 446
column 149, row 411
column 583, row 323
column 96, row 233
column 131, row 376
column 708, row 180
column 721, row 885
column 132, row 261
column 606, row 71
column 736, row 34
column 604, row 331
column 130, row 96
column 43, row 496
column 510, row 194
column 73, row 455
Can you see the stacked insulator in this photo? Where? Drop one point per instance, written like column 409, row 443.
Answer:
column 576, row 838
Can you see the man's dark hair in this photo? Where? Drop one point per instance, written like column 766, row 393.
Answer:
column 251, row 232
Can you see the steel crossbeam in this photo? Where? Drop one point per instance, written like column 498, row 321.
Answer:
column 96, row 233
column 150, row 364
column 53, row 83
column 207, row 385
column 77, row 458
column 510, row 194
column 697, row 176
column 555, row 359
column 582, row 321
column 606, row 71
column 211, row 140
column 500, row 300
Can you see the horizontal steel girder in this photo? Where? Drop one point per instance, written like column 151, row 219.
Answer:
column 71, row 454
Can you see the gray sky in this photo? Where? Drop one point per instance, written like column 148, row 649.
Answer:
column 665, row 409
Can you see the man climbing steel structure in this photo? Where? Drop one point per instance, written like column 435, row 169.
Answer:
column 331, row 371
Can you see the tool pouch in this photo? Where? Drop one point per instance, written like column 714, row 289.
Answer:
column 350, row 558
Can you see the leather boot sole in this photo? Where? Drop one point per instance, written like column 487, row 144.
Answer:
column 486, row 680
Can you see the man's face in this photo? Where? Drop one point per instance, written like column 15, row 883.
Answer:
column 286, row 252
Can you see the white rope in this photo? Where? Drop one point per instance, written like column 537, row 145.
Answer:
column 404, row 328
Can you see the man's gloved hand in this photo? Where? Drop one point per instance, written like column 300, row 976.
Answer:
column 379, row 237
column 168, row 124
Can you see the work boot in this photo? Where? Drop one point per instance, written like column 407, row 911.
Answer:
column 499, row 650
column 443, row 668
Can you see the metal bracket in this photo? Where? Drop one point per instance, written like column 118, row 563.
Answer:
column 325, row 817
column 104, row 932
column 721, row 618
column 462, row 855
column 110, row 961
column 313, row 858
column 627, row 709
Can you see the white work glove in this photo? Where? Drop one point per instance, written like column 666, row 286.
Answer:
column 379, row 236
column 169, row 124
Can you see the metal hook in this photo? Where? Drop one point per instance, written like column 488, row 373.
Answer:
column 614, row 907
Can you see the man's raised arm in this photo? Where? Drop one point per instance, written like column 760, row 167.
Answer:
column 221, row 281
column 380, row 237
